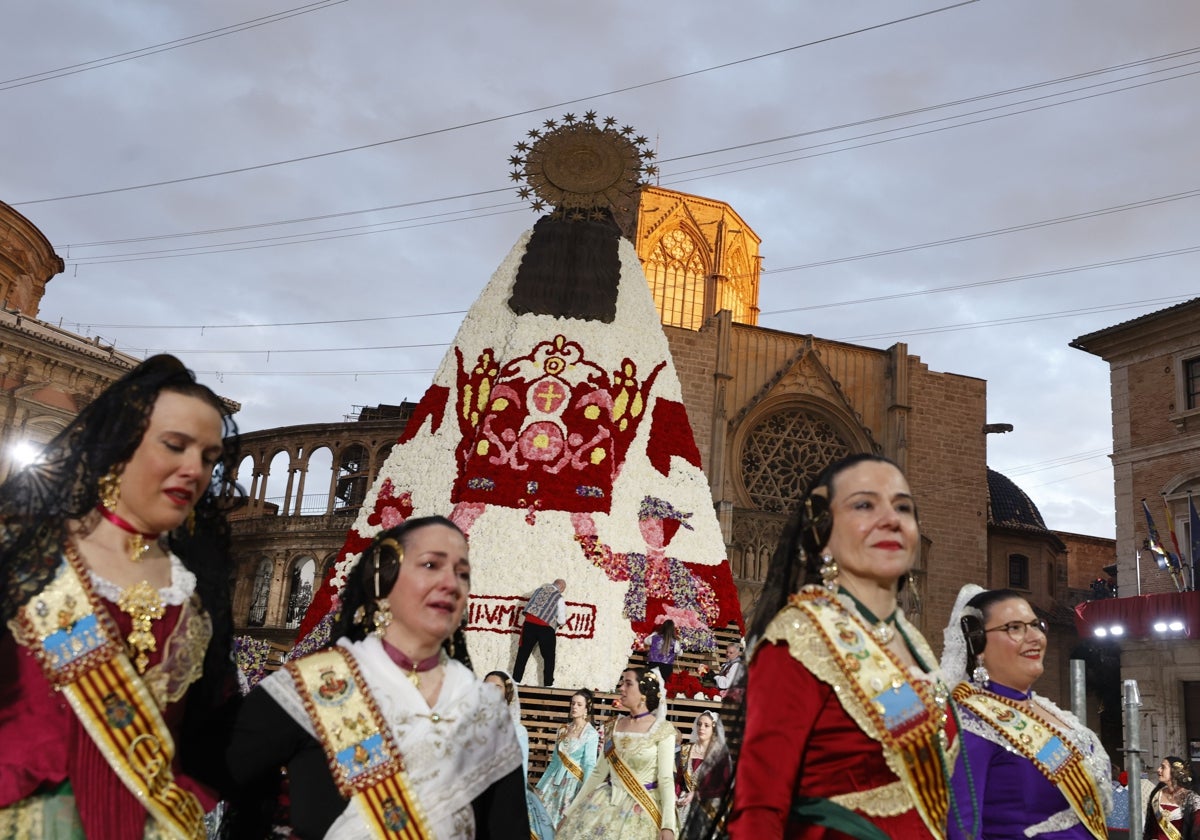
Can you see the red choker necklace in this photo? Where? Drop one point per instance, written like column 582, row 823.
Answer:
column 414, row 669
column 139, row 541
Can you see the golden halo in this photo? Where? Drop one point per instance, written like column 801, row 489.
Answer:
column 579, row 167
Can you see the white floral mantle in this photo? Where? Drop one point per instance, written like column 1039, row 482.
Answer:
column 561, row 447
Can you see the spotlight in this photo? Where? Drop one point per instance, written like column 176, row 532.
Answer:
column 1160, row 627
column 25, row 453
column 1176, row 625
column 1117, row 630
column 1101, row 632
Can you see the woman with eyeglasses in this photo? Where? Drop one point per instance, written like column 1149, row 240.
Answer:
column 1032, row 768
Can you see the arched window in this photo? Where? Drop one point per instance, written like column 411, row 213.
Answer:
column 300, row 589
column 784, row 452
column 352, row 479
column 262, row 593
column 676, row 273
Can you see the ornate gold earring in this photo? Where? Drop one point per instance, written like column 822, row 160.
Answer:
column 109, row 487
column 383, row 611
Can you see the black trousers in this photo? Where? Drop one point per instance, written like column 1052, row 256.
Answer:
column 543, row 636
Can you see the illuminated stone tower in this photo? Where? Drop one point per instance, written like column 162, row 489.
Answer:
column 699, row 257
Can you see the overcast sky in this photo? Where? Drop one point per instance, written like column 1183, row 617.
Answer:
column 364, row 145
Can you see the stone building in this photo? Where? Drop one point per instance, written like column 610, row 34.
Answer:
column 1154, row 364
column 47, row 374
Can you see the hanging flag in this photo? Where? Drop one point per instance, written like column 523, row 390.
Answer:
column 1161, row 554
column 1194, row 527
column 1171, row 529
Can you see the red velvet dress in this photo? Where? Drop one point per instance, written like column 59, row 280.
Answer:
column 799, row 741
column 42, row 742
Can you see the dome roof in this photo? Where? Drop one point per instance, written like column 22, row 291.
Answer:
column 1010, row 507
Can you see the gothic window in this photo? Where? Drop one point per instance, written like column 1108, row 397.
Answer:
column 300, row 590
column 783, row 453
column 262, row 592
column 676, row 273
column 1018, row 571
column 737, row 295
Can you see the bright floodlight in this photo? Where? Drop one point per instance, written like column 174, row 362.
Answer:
column 1117, row 630
column 24, row 453
column 1101, row 632
column 1176, row 625
column 1160, row 627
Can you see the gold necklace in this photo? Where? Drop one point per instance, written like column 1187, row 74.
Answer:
column 142, row 603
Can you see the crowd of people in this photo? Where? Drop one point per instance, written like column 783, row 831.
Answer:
column 120, row 716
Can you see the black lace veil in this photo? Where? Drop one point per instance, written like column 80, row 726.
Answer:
column 37, row 502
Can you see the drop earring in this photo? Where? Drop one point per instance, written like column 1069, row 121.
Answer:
column 980, row 674
column 383, row 611
column 829, row 571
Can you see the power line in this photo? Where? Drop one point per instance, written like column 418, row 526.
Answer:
column 1012, row 321
column 489, row 120
column 826, row 129
column 202, row 327
column 465, row 215
column 994, row 282
column 1019, row 319
column 72, row 69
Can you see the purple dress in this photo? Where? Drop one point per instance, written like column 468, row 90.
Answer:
column 1012, row 794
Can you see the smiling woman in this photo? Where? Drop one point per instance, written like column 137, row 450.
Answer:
column 1031, row 768
column 817, row 759
column 386, row 728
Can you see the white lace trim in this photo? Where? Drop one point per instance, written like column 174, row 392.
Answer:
column 1061, row 821
column 183, row 584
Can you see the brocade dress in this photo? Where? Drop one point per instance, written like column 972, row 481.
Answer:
column 606, row 809
column 54, row 780
column 811, row 735
column 558, row 785
column 1016, row 800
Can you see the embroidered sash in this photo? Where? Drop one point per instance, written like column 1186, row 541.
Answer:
column 366, row 764
column 83, row 656
column 1039, row 741
column 572, row 768
column 1164, row 820
column 632, row 786
column 907, row 717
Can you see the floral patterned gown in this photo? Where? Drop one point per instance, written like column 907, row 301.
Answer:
column 558, row 785
column 604, row 807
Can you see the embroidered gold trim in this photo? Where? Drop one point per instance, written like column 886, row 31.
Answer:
column 365, row 761
column 836, row 645
column 1050, row 751
column 81, row 653
column 890, row 800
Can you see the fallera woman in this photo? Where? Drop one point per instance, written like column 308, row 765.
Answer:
column 574, row 757
column 631, row 793
column 116, row 682
column 385, row 732
column 846, row 731
column 1032, row 769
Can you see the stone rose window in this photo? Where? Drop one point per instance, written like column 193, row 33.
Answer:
column 783, row 453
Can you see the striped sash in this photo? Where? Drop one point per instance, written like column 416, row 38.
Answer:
column 83, row 656
column 572, row 768
column 906, row 716
column 1040, row 741
column 364, row 759
column 632, row 786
